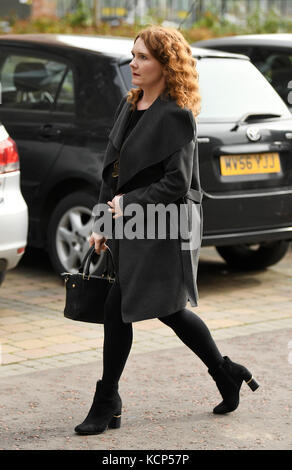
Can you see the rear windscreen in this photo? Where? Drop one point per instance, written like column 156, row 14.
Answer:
column 231, row 88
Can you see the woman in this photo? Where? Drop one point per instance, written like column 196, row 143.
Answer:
column 151, row 159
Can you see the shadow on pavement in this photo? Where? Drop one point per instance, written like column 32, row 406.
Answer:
column 213, row 272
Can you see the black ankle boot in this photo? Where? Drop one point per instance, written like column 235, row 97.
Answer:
column 229, row 377
column 105, row 411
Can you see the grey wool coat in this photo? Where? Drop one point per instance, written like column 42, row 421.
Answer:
column 158, row 165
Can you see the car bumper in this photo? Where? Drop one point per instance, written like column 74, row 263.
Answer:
column 13, row 222
column 254, row 237
column 242, row 218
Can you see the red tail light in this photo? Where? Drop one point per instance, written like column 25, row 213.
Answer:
column 9, row 160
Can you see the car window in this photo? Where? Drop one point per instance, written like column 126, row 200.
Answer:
column 65, row 98
column 127, row 75
column 36, row 84
column 276, row 66
column 245, row 50
column 231, row 88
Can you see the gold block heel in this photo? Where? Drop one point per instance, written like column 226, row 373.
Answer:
column 252, row 383
column 115, row 422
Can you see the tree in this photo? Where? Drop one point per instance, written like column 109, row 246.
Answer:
column 96, row 13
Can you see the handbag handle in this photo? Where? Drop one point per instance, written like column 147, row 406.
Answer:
column 89, row 253
column 84, row 267
column 109, row 267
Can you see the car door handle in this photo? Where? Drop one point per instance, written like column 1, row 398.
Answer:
column 47, row 130
column 96, row 132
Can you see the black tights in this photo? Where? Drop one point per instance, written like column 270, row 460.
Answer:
column 118, row 337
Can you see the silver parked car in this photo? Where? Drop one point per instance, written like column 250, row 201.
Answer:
column 13, row 208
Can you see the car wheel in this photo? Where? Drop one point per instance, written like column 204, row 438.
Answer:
column 254, row 256
column 69, row 229
column 2, row 276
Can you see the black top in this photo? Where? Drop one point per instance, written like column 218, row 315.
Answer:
column 134, row 118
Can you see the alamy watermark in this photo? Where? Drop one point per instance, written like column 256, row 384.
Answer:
column 156, row 221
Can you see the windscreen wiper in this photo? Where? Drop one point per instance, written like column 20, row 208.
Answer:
column 253, row 116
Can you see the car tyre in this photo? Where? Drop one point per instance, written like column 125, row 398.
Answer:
column 253, row 257
column 69, row 229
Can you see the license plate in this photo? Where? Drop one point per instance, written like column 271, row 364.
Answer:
column 250, row 164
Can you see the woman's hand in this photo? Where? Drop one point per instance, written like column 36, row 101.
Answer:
column 115, row 206
column 99, row 242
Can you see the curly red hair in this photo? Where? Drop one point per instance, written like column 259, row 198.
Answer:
column 170, row 48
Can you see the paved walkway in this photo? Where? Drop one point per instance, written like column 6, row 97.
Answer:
column 168, row 398
column 167, row 395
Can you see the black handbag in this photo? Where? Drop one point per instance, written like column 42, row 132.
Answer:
column 86, row 293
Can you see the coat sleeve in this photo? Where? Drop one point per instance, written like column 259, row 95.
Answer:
column 174, row 184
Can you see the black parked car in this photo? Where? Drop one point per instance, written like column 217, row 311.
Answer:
column 270, row 53
column 59, row 94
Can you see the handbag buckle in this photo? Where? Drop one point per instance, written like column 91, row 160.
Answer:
column 85, row 277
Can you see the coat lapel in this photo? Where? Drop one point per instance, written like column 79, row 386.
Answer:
column 160, row 131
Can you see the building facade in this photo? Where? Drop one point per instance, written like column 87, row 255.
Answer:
column 176, row 11
column 40, row 8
